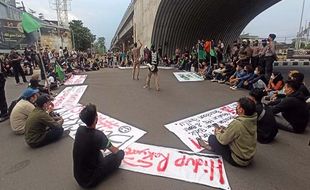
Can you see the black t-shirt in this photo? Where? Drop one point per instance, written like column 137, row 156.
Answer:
column 87, row 153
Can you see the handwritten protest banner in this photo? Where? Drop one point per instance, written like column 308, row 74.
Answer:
column 146, row 67
column 76, row 80
column 206, row 169
column 202, row 125
column 120, row 134
column 187, row 77
column 69, row 96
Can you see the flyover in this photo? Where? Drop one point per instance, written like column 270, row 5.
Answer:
column 179, row 23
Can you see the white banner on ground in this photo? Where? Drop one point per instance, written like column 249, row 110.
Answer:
column 69, row 96
column 76, row 80
column 120, row 134
column 201, row 125
column 206, row 169
column 146, row 67
column 188, row 77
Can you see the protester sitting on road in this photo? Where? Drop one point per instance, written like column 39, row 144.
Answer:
column 234, row 79
column 35, row 84
column 266, row 123
column 237, row 142
column 41, row 128
column 275, row 83
column 90, row 167
column 291, row 112
column 248, row 70
column 22, row 110
column 258, row 80
column 299, row 77
column 218, row 71
column 223, row 77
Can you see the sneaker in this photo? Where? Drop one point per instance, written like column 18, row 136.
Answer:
column 234, row 87
column 221, row 81
column 214, row 80
column 4, row 117
column 66, row 133
column 146, row 86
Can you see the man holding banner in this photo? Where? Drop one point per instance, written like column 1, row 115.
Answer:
column 237, row 142
column 90, row 167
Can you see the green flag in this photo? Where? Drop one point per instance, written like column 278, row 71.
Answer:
column 29, row 23
column 213, row 53
column 59, row 72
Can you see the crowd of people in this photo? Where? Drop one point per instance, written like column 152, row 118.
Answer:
column 273, row 103
column 33, row 116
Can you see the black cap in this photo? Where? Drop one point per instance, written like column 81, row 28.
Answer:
column 42, row 100
column 272, row 36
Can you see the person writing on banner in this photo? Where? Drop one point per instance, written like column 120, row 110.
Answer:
column 153, row 70
column 90, row 167
column 237, row 142
column 22, row 110
column 136, row 59
column 42, row 126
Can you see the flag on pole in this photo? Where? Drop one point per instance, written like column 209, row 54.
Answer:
column 29, row 23
column 59, row 72
column 213, row 53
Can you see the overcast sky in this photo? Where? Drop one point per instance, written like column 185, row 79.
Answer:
column 103, row 16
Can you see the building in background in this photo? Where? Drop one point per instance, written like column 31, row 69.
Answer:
column 13, row 36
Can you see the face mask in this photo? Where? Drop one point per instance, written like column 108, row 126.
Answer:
column 255, row 72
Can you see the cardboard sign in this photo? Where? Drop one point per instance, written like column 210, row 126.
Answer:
column 76, row 80
column 120, row 134
column 201, row 125
column 69, row 96
column 188, row 77
column 206, row 169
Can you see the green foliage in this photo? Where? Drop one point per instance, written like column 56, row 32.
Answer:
column 81, row 35
column 99, row 46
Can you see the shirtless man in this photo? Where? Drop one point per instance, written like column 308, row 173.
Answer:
column 136, row 60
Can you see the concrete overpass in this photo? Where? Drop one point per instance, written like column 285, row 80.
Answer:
column 179, row 23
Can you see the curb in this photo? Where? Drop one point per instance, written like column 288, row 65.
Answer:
column 291, row 64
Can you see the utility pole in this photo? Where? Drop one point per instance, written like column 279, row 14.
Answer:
column 62, row 7
column 299, row 34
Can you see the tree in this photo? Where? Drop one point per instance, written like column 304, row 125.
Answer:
column 99, row 46
column 81, row 35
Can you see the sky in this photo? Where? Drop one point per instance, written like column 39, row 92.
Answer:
column 102, row 17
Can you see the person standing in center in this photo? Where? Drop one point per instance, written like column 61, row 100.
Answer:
column 153, row 70
column 136, row 60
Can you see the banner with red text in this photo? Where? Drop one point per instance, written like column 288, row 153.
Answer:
column 69, row 96
column 206, row 169
column 76, row 80
column 202, row 125
column 120, row 134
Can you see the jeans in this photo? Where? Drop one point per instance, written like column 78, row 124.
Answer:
column 222, row 150
column 282, row 123
column 52, row 135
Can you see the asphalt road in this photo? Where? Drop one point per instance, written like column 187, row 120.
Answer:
column 283, row 164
